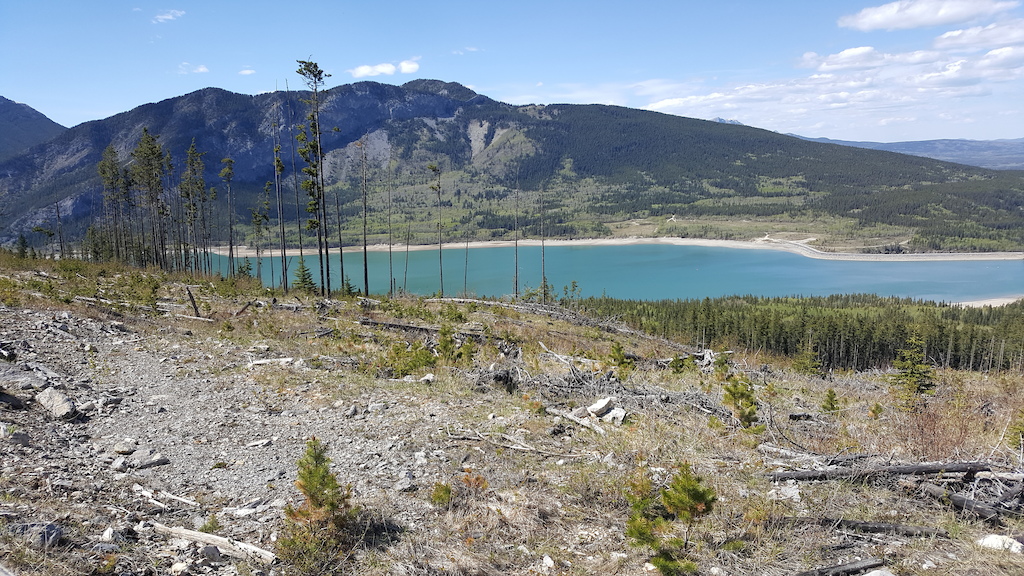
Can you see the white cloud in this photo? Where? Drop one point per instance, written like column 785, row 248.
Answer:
column 906, row 14
column 246, row 71
column 186, row 68
column 386, row 69
column 375, row 70
column 934, row 89
column 167, row 16
column 1007, row 58
column 980, row 37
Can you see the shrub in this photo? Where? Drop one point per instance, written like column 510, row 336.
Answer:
column 619, row 358
column 406, row 359
column 680, row 365
column 319, row 536
column 441, row 495
column 1015, row 432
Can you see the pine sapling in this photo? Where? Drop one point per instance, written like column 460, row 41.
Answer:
column 319, row 536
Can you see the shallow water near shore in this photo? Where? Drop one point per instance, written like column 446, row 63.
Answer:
column 655, row 272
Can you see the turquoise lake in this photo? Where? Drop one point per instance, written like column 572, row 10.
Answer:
column 654, row 272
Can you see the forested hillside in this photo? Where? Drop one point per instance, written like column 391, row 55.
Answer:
column 502, row 170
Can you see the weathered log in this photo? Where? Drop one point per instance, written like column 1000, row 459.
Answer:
column 192, row 299
column 864, row 473
column 193, row 317
column 845, row 569
column 875, row 527
column 244, row 308
column 983, row 511
column 479, row 338
column 227, row 546
column 580, row 421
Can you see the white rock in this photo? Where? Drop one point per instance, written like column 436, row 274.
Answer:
column 601, row 407
column 548, row 562
column 59, row 405
column 880, row 572
column 790, row 491
column 428, row 378
column 1000, row 542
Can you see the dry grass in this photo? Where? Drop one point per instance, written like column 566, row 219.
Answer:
column 564, row 499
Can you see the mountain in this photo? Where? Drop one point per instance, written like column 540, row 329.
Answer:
column 995, row 154
column 22, row 127
column 577, row 167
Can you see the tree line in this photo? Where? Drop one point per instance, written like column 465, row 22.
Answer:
column 855, row 332
column 155, row 215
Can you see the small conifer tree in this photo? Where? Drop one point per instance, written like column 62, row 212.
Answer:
column 830, row 405
column 319, row 536
column 739, row 395
column 304, row 278
column 657, row 513
column 915, row 376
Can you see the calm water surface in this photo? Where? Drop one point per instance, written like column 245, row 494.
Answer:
column 654, row 272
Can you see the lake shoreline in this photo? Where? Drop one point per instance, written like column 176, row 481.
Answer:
column 800, row 247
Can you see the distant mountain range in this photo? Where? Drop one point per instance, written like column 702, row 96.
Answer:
column 995, row 154
column 584, row 165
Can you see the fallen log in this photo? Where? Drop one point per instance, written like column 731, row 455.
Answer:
column 227, row 546
column 845, row 569
column 187, row 317
column 875, row 527
column 580, row 421
column 983, row 511
column 244, row 308
column 863, row 473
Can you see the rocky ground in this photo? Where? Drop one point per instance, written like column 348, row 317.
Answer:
column 136, row 442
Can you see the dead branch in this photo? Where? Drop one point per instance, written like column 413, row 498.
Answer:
column 580, row 421
column 512, row 443
column 874, row 527
column 845, row 569
column 864, row 473
column 421, row 329
column 963, row 503
column 230, row 547
column 192, row 299
column 244, row 308
column 193, row 317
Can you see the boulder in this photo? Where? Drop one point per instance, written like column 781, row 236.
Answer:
column 614, row 416
column 146, row 458
column 58, row 404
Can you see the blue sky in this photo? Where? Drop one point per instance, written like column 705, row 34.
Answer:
column 844, row 69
